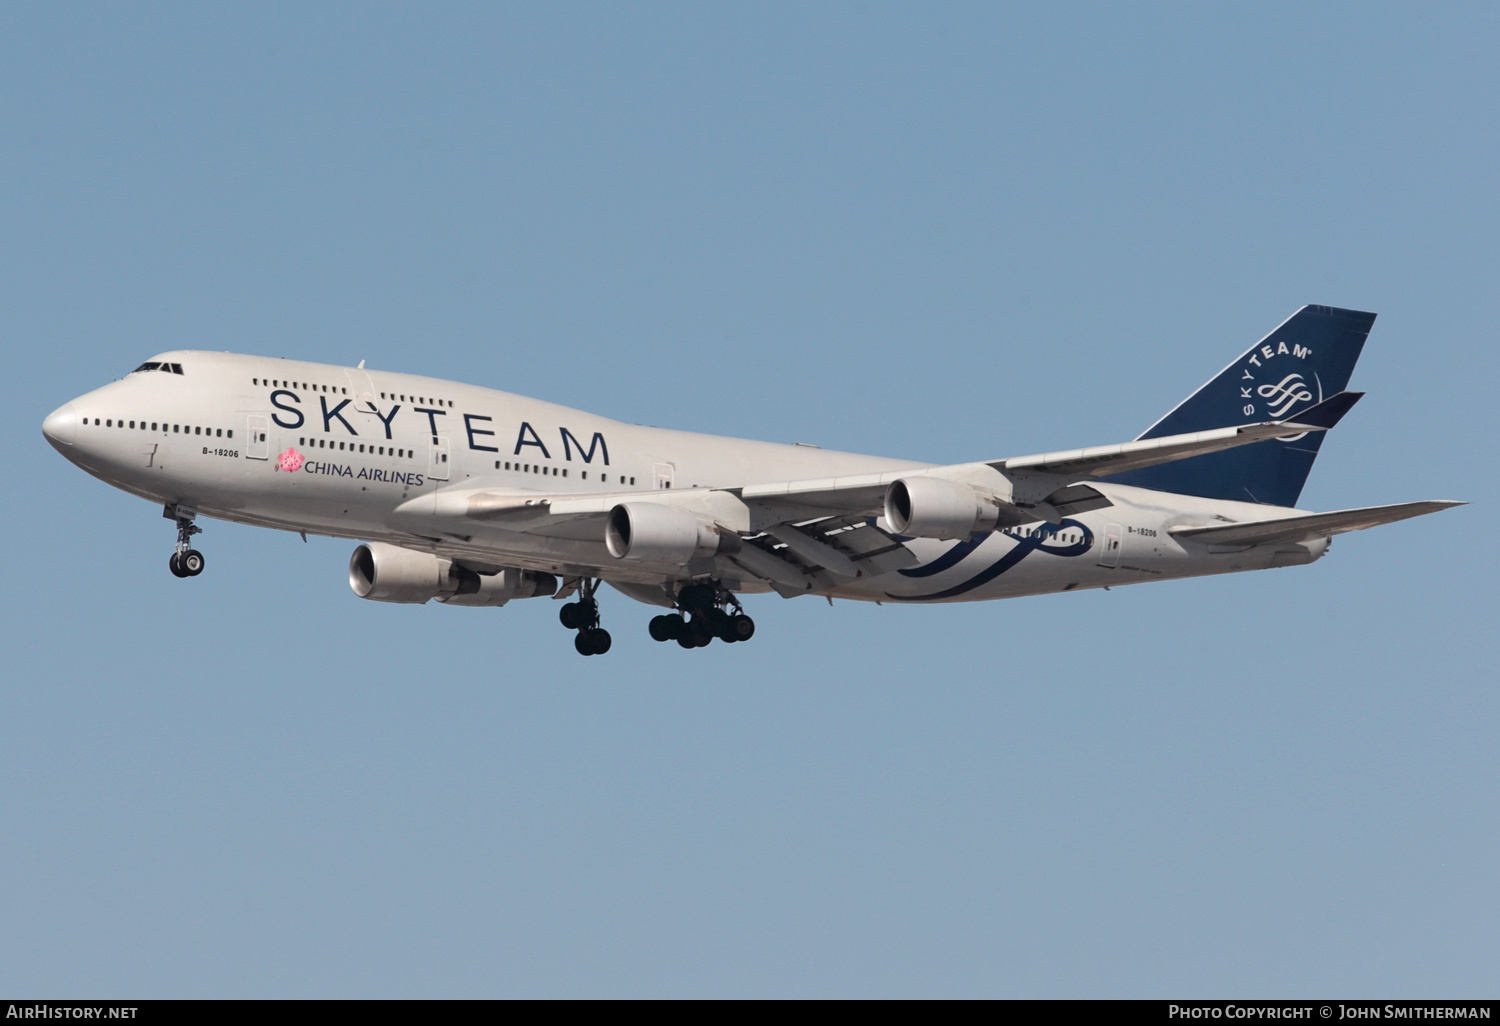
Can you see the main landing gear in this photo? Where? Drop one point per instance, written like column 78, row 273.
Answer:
column 185, row 561
column 706, row 605
column 583, row 616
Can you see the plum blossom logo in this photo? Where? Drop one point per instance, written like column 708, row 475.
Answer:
column 291, row 461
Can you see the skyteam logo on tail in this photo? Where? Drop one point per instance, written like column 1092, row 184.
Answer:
column 1307, row 358
column 1281, row 397
column 1288, row 392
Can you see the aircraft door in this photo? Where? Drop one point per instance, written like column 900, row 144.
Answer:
column 437, row 464
column 258, row 437
column 1114, row 541
column 663, row 473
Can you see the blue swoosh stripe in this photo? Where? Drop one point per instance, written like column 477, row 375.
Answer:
column 1025, row 546
column 947, row 560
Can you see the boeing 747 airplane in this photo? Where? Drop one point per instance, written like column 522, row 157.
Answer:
column 475, row 497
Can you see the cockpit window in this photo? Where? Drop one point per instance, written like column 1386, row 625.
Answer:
column 167, row 368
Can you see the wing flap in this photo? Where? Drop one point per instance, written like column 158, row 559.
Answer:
column 1312, row 525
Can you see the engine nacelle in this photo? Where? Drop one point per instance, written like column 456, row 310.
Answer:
column 648, row 532
column 932, row 507
column 498, row 589
column 389, row 573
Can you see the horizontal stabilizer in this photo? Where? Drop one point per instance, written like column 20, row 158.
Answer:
column 1330, row 411
column 1311, row 525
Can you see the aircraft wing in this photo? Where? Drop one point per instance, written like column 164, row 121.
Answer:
column 1033, row 487
column 864, row 493
column 1104, row 460
column 1312, row 525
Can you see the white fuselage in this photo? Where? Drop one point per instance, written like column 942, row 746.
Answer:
column 216, row 438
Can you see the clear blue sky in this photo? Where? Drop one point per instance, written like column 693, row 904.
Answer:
column 932, row 231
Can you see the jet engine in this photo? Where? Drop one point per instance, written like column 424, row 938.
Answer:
column 648, row 532
column 389, row 573
column 932, row 507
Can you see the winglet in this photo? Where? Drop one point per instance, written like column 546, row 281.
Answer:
column 1328, row 412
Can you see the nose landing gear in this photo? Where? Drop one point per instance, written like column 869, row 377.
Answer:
column 185, row 561
column 706, row 605
column 583, row 616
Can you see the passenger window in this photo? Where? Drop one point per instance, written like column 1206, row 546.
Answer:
column 230, row 433
column 585, row 475
column 176, row 428
column 565, row 471
column 632, row 480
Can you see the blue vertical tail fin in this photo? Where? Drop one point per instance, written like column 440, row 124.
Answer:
column 1309, row 358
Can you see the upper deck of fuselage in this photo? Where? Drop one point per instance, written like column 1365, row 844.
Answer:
column 198, row 383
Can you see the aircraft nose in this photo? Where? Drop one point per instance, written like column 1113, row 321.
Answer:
column 61, row 426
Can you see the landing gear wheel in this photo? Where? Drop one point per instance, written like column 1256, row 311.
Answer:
column 592, row 641
column 714, row 612
column 185, row 562
column 739, row 628
column 697, row 634
column 666, row 628
column 583, row 616
column 580, row 615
